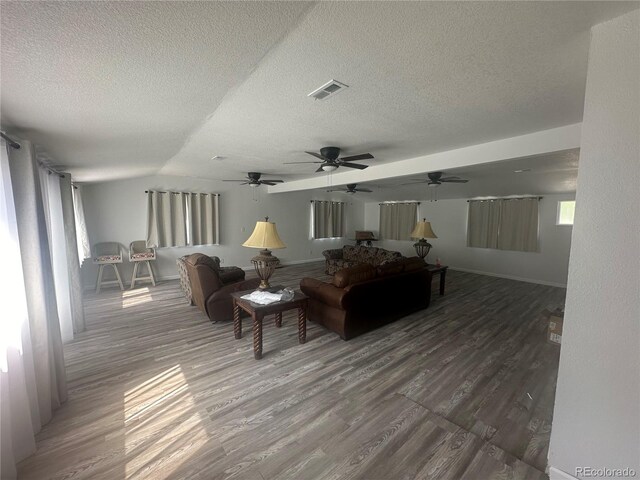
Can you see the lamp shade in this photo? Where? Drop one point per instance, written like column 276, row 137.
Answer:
column 264, row 235
column 423, row 230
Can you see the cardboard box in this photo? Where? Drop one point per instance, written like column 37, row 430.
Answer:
column 555, row 327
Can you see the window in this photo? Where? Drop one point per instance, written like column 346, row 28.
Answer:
column 328, row 220
column 504, row 224
column 566, row 211
column 397, row 220
column 177, row 219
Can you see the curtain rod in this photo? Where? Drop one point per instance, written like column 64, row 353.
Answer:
column 178, row 193
column 326, row 201
column 503, row 198
column 51, row 169
column 399, row 203
column 12, row 143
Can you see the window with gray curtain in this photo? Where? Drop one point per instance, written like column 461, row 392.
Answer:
column 328, row 219
column 504, row 224
column 397, row 220
column 178, row 219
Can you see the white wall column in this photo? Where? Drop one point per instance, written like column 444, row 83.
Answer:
column 596, row 420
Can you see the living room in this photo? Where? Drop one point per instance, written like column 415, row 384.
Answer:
column 448, row 111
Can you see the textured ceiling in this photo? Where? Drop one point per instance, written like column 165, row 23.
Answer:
column 119, row 89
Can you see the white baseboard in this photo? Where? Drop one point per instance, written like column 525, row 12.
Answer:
column 510, row 277
column 245, row 268
column 557, row 474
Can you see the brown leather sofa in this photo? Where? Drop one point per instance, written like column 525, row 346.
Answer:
column 351, row 255
column 364, row 297
column 211, row 285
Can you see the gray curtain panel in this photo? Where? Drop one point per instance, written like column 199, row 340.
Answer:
column 328, row 219
column 483, row 223
column 49, row 388
column 519, row 225
column 75, row 283
column 166, row 219
column 204, row 218
column 397, row 220
column 82, row 237
column 505, row 224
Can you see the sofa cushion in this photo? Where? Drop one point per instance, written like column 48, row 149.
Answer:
column 413, row 263
column 231, row 274
column 390, row 268
column 355, row 274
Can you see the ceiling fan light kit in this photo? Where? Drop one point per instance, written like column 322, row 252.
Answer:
column 329, row 161
column 253, row 180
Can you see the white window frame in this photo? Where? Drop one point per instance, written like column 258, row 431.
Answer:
column 564, row 224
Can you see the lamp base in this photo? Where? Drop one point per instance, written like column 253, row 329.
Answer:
column 265, row 264
column 422, row 248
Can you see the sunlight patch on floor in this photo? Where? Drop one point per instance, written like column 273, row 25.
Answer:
column 162, row 427
column 131, row 298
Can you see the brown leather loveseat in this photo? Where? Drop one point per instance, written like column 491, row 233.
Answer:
column 364, row 297
column 211, row 285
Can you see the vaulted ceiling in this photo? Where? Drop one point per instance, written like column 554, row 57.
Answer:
column 119, row 89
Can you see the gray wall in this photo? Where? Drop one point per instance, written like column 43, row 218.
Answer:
column 597, row 412
column 449, row 222
column 117, row 211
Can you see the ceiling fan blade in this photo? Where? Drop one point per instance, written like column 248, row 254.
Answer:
column 362, row 190
column 292, row 163
column 267, row 182
column 336, row 190
column 320, row 169
column 453, row 180
column 362, row 156
column 234, row 180
column 274, row 181
column 354, row 165
column 416, row 182
column 317, row 155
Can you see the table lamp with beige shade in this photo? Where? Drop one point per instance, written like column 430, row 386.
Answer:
column 264, row 236
column 422, row 231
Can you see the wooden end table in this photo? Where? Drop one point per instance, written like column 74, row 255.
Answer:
column 442, row 271
column 258, row 312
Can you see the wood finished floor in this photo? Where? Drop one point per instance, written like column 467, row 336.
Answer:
column 462, row 390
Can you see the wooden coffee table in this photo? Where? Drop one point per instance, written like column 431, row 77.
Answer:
column 258, row 312
column 439, row 269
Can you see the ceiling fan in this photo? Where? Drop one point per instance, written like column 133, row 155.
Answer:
column 351, row 189
column 253, row 180
column 436, row 178
column 330, row 161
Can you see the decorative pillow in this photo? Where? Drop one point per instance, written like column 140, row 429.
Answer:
column 355, row 274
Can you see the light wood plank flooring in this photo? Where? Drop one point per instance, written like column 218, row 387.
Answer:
column 462, row 390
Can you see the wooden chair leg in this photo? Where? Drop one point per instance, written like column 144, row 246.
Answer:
column 153, row 279
column 99, row 280
column 115, row 268
column 135, row 274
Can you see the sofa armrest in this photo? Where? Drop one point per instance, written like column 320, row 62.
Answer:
column 333, row 254
column 323, row 292
column 226, row 290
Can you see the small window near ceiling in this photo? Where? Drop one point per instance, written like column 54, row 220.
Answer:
column 566, row 211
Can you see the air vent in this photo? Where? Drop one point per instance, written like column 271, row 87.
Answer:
column 330, row 88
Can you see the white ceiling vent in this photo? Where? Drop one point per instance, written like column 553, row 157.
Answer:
column 330, row 88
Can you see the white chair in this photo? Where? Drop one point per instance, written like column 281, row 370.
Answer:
column 107, row 254
column 138, row 253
